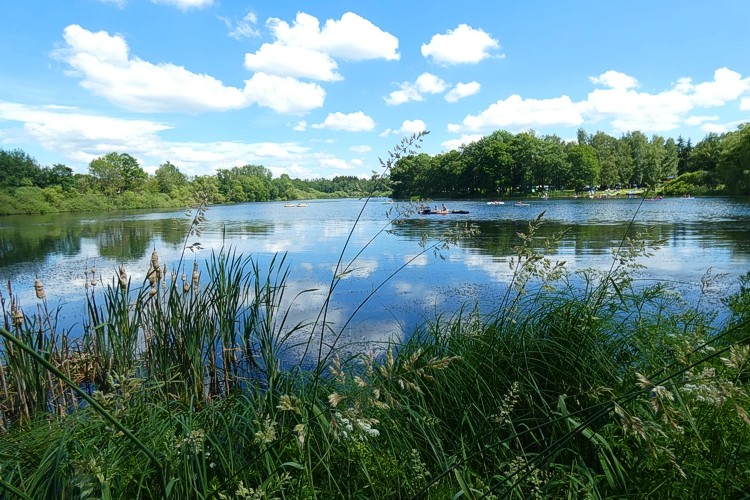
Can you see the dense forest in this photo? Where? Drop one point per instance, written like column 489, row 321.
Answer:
column 503, row 163
column 117, row 181
column 498, row 164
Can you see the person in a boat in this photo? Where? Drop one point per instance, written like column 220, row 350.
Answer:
column 445, row 209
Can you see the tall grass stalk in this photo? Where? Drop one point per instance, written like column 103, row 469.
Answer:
column 587, row 384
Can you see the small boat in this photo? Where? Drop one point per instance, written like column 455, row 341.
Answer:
column 295, row 205
column 496, row 202
column 521, row 204
column 459, row 211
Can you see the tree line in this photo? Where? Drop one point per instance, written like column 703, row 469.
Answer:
column 498, row 164
column 504, row 163
column 116, row 181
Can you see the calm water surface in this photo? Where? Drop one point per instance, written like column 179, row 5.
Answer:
column 700, row 234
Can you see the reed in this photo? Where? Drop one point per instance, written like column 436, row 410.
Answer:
column 585, row 384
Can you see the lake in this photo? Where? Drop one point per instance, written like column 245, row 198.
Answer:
column 699, row 234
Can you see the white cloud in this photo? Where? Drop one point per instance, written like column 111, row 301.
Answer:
column 695, row 121
column 352, row 122
column 185, row 4
column 352, row 37
column 726, row 86
column 745, row 104
column 463, row 45
column 412, row 126
column 454, row 144
column 80, row 136
column 298, row 62
column 715, row 128
column 630, row 110
column 518, row 113
column 245, row 27
column 426, row 83
column 284, row 94
column 403, row 96
column 361, row 149
column 462, row 90
column 300, row 126
column 107, row 70
column 615, row 79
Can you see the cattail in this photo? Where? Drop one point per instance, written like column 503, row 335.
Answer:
column 123, row 278
column 39, row 288
column 17, row 315
column 86, row 280
column 155, row 264
column 152, row 292
column 185, row 287
column 196, row 276
column 151, row 276
column 93, row 276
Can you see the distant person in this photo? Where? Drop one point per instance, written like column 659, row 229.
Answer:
column 445, row 209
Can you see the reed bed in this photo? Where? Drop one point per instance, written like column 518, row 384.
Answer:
column 577, row 385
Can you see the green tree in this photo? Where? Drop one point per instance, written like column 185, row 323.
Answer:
column 584, row 164
column 169, row 177
column 734, row 163
column 607, row 154
column 117, row 172
column 706, row 154
column 18, row 169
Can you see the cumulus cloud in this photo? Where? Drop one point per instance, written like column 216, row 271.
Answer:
column 461, row 90
column 352, row 122
column 408, row 127
column 80, row 137
column 454, row 144
column 352, row 37
column 615, row 79
column 426, row 83
column 463, row 45
column 518, row 113
column 412, row 126
column 107, row 70
column 300, row 126
column 294, row 61
column 619, row 103
column 284, row 94
column 726, row 86
column 629, row 110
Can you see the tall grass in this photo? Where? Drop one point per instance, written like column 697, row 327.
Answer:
column 583, row 384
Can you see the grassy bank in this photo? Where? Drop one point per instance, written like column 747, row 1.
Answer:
column 196, row 385
column 176, row 389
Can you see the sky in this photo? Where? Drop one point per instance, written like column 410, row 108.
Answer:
column 320, row 89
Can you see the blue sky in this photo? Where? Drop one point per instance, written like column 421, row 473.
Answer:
column 318, row 89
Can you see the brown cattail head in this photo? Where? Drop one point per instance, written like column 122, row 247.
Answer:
column 39, row 288
column 196, row 276
column 185, row 287
column 17, row 315
column 123, row 278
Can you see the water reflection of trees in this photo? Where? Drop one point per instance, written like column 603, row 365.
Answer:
column 498, row 238
column 35, row 239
